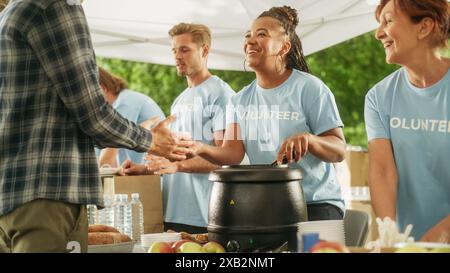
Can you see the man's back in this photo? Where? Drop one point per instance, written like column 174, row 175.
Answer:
column 51, row 107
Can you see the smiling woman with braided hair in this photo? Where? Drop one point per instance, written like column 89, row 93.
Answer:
column 285, row 110
column 288, row 19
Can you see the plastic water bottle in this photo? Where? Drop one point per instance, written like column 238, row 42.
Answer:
column 137, row 217
column 122, row 214
column 106, row 215
column 119, row 213
column 92, row 214
column 127, row 228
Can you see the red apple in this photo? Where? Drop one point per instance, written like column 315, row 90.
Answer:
column 213, row 247
column 160, row 247
column 327, row 247
column 191, row 247
column 176, row 246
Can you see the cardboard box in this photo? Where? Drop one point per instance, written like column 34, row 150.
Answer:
column 367, row 207
column 358, row 163
column 149, row 189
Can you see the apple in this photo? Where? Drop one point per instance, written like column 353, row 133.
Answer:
column 191, row 247
column 160, row 247
column 176, row 245
column 328, row 247
column 213, row 247
column 440, row 250
column 411, row 248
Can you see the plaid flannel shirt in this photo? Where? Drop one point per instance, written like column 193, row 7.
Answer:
column 52, row 110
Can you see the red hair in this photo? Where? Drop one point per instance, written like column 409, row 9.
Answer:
column 417, row 10
column 113, row 83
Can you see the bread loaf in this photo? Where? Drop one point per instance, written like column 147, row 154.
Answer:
column 202, row 238
column 103, row 238
column 102, row 228
column 198, row 238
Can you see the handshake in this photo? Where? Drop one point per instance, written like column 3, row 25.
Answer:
column 173, row 146
column 166, row 150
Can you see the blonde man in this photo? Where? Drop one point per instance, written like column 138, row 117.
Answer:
column 200, row 111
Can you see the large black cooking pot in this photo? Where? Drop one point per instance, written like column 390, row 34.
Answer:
column 255, row 207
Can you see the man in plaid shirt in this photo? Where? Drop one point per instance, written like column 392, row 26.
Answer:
column 52, row 112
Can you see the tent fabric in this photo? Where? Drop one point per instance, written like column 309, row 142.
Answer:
column 137, row 30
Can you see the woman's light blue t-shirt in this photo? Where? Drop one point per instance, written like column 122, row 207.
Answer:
column 135, row 107
column 417, row 122
column 201, row 112
column 267, row 117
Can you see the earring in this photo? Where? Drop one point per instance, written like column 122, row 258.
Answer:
column 245, row 68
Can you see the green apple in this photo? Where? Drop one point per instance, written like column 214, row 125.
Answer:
column 326, row 250
column 440, row 250
column 160, row 247
column 411, row 248
column 177, row 245
column 191, row 247
column 213, row 247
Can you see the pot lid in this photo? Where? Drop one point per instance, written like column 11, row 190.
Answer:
column 255, row 173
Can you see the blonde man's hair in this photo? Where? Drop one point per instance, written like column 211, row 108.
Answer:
column 200, row 33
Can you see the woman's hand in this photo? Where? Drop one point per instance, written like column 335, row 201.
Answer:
column 298, row 143
column 196, row 149
column 440, row 233
column 130, row 168
column 160, row 165
column 167, row 144
column 328, row 146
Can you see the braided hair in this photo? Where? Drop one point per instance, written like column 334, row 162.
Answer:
column 288, row 19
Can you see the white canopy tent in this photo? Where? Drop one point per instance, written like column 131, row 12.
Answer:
column 137, row 29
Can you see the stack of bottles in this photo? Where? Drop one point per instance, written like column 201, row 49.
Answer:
column 120, row 212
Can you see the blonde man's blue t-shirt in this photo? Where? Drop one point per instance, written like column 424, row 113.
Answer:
column 200, row 111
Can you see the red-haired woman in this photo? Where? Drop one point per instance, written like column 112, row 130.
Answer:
column 408, row 119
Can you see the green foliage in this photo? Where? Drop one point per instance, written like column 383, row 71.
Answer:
column 236, row 79
column 350, row 69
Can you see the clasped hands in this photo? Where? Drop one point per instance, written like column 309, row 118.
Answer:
column 165, row 143
column 166, row 150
